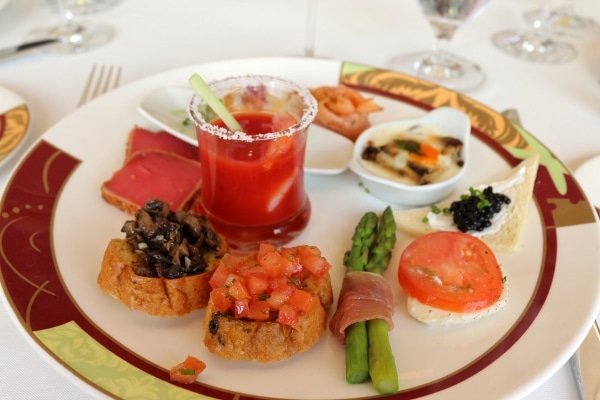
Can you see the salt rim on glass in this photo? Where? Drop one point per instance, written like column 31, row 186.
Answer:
column 253, row 80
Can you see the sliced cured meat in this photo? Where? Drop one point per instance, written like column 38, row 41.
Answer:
column 364, row 296
column 150, row 174
column 143, row 139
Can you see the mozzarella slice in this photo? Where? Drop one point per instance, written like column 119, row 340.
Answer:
column 435, row 316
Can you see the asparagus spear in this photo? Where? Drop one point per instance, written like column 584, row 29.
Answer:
column 382, row 365
column 368, row 351
column 385, row 239
column 355, row 259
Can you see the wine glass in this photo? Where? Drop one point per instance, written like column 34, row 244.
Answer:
column 75, row 36
column 564, row 20
column 311, row 26
column 440, row 65
column 536, row 44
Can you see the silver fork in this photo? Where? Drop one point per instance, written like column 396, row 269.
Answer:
column 100, row 82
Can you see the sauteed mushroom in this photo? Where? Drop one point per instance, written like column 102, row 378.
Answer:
column 173, row 244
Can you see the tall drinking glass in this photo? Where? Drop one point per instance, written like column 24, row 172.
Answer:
column 440, row 65
column 253, row 181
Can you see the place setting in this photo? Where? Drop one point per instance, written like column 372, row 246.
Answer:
column 82, row 181
column 316, row 181
column 70, row 34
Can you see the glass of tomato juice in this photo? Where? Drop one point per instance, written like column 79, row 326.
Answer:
column 253, row 180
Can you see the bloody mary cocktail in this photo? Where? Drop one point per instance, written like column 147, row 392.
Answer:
column 253, row 181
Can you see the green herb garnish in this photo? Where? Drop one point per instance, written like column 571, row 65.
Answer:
column 482, row 200
column 187, row 371
column 412, row 146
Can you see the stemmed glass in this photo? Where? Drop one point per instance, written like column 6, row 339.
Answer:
column 311, row 26
column 75, row 36
column 536, row 44
column 564, row 20
column 440, row 65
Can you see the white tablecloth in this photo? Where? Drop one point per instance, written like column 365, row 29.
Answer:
column 559, row 103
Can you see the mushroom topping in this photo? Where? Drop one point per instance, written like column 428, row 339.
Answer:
column 173, row 243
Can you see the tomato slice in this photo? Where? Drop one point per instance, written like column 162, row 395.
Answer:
column 453, row 271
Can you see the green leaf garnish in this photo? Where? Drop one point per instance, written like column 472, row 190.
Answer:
column 412, row 146
column 202, row 89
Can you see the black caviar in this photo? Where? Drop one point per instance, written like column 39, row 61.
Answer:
column 474, row 211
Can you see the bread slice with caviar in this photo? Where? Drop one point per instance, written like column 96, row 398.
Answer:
column 259, row 312
column 163, row 266
column 518, row 187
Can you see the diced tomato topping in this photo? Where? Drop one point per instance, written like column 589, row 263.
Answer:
column 241, row 308
column 288, row 315
column 259, row 310
column 238, row 290
column 291, row 254
column 274, row 283
column 187, row 371
column 275, row 264
column 219, row 276
column 311, row 259
column 257, row 285
column 280, row 295
column 221, row 299
column 268, row 284
column 301, row 300
column 452, row 271
column 264, row 248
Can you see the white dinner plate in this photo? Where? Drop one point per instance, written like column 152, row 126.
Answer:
column 15, row 123
column 55, row 227
column 326, row 151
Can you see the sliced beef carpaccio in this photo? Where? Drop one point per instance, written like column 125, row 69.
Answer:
column 144, row 139
column 156, row 166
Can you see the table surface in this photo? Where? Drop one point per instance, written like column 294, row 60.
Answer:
column 559, row 103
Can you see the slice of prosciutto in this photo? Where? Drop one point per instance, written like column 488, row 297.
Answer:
column 144, row 139
column 150, row 174
column 364, row 296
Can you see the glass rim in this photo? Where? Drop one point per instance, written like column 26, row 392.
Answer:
column 308, row 114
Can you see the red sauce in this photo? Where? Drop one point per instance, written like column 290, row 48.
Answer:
column 254, row 191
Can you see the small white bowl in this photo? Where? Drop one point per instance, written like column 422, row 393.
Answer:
column 452, row 122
